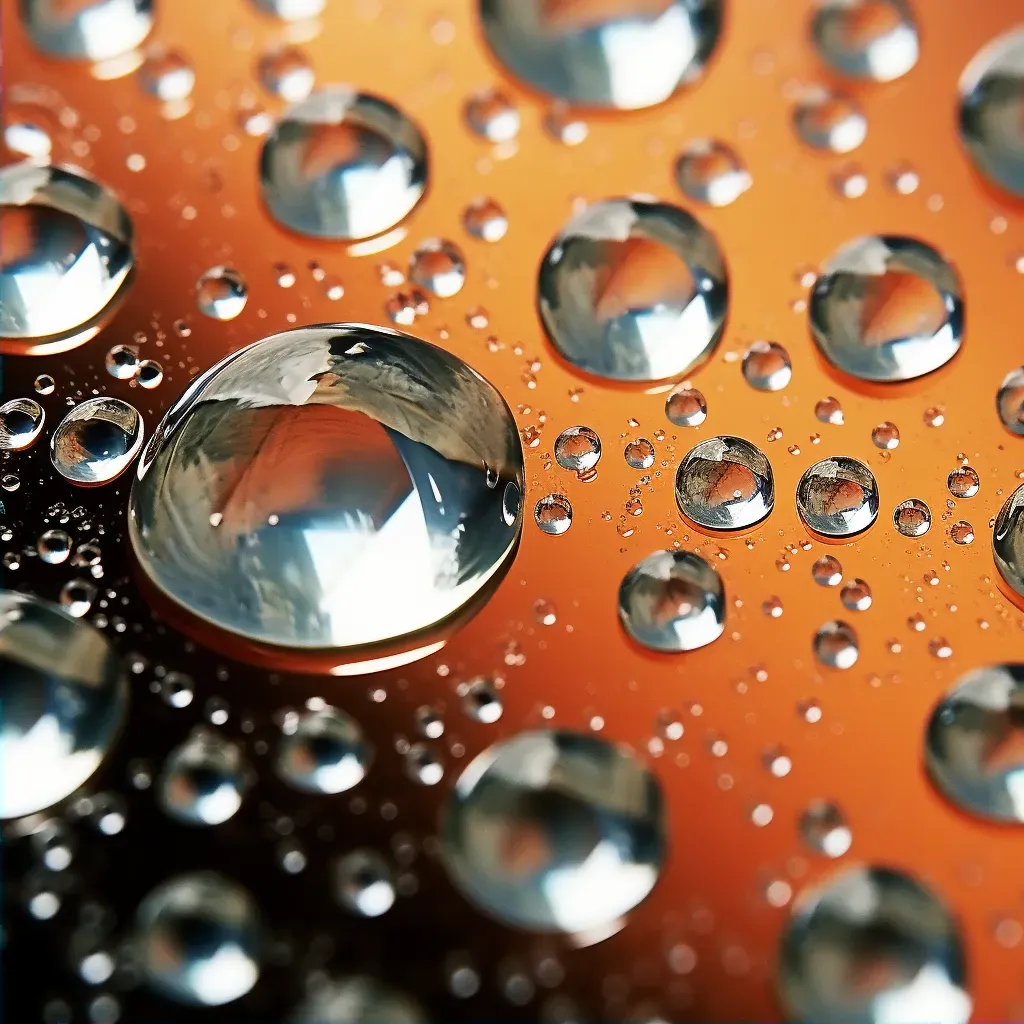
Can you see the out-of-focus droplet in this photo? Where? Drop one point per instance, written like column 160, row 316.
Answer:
column 54, row 546
column 44, row 384
column 835, row 645
column 829, row 410
column 824, row 830
column 837, row 497
column 122, row 362
column 96, row 441
column 21, row 423
column 492, row 115
column 54, row 845
column 149, row 374
column 1010, row 401
column 92, row 30
column 830, row 121
column 168, row 75
column 565, row 124
column 963, row 482
column 203, row 780
column 364, row 883
column 221, row 293
column 553, row 514
column 484, row 218
column 422, row 765
column 1008, row 540
column 872, row 39
column 639, row 454
column 725, row 483
column 28, row 139
column 886, row 436
column 326, row 752
column 578, row 449
column 438, row 266
column 481, row 701
column 356, row 1000
column 827, row 571
column 709, row 171
column 77, row 596
column 767, row 366
column 912, row 518
column 291, row 10
column 686, row 407
column 856, row 595
column 286, row 72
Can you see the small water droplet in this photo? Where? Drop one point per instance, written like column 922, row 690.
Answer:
column 77, row 596
column 565, row 125
column 963, row 482
column 837, row 497
column 725, row 483
column 856, row 595
column 830, row 120
column 886, row 436
column 122, row 362
column 835, row 645
column 44, row 384
column 291, row 10
column 553, row 514
column 54, row 546
column 912, row 518
column 767, row 366
column 485, row 218
column 709, row 171
column 202, row 781
column 325, row 752
column 578, row 449
column 167, row 75
column 686, row 407
column 221, row 293
column 96, row 441
column 286, row 72
column 481, row 702
column 492, row 115
column 438, row 266
column 364, row 883
column 639, row 454
column 150, row 373
column 828, row 410
column 422, row 765
column 827, row 571
column 934, row 416
column 21, row 423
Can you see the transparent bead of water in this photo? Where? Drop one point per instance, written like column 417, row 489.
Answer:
column 856, row 595
column 168, row 75
column 53, row 546
column 912, row 518
column 829, row 410
column 327, row 752
column 553, row 514
column 28, row 139
column 836, row 645
column 830, row 121
column 287, row 72
column 1010, row 401
column 963, row 482
column 21, row 423
column 291, row 10
column 633, row 290
column 725, row 483
column 422, row 765
column 358, row 999
column 54, row 845
column 221, row 293
column 869, row 39
column 122, row 362
column 492, row 115
column 177, row 689
column 484, row 218
column 77, row 596
column 44, row 384
column 150, row 374
column 96, row 441
column 203, row 780
column 578, row 449
column 588, row 815
column 1008, row 541
column 92, row 30
column 481, row 701
column 767, row 366
column 837, row 497
column 824, row 830
column 886, row 436
column 364, row 883
column 962, row 532
column 827, row 571
column 709, row 171
column 686, row 407
column 438, row 266
column 639, row 454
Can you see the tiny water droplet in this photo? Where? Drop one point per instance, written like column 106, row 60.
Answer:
column 912, row 518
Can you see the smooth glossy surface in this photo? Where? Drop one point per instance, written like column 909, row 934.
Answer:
column 221, row 293
column 709, row 171
column 21, row 423
column 686, row 407
column 725, row 483
column 1008, row 541
column 203, row 780
column 767, row 366
column 356, row 1000
column 836, row 645
column 554, row 832
column 829, row 121
column 837, row 497
column 578, row 449
column 364, row 883
column 87, row 29
column 96, row 441
column 1010, row 401
column 871, row 39
column 438, row 266
column 325, row 751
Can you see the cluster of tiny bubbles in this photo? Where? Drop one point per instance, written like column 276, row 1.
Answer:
column 53, row 546
column 423, row 765
column 481, row 701
column 492, row 115
column 686, row 407
column 96, row 441
column 221, row 293
column 44, row 384
column 438, row 266
column 892, row 946
column 829, row 410
column 639, row 454
column 856, row 595
column 668, row 309
column 1008, row 541
column 672, row 601
column 912, row 518
column 767, row 366
column 725, row 483
column 167, row 75
column 363, row 883
column 122, row 361
column 709, row 171
column 1010, row 401
column 377, row 174
column 885, row 435
column 835, row 645
column 824, row 830
column 875, row 40
column 356, row 998
column 887, row 308
column 323, row 750
column 578, row 449
column 827, row 571
column 64, row 696
column 21, row 423
column 553, row 514
column 837, row 497
column 286, row 72
column 200, row 939
column 829, row 120
column 203, row 780
column 95, row 31
column 963, row 482
column 484, row 218
column 591, row 814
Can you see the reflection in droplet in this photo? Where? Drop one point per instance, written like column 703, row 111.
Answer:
column 886, row 436
column 63, row 693
column 422, row 765
column 221, row 293
column 873, row 946
column 599, row 55
column 711, row 172
column 363, row 883
column 823, row 828
column 639, row 454
column 481, row 700
column 830, row 121
column 912, row 518
column 725, row 483
column 555, row 831
column 77, row 596
column 872, row 39
column 122, row 362
column 565, row 124
column 96, row 441
column 343, row 165
column 1010, row 401
column 326, row 752
column 356, row 1000
column 962, row 532
column 93, row 30
column 578, row 449
column 672, row 601
column 827, row 571
column 835, row 645
column 203, row 780
column 837, row 497
column 963, row 482
column 633, row 290
column 553, row 514
column 1008, row 541
column 686, row 407
column 766, row 366
column 286, row 71
column 27, row 139
column 830, row 410
column 168, row 75
column 21, row 423
column 856, row 595
column 493, row 116
column 484, row 218
column 438, row 266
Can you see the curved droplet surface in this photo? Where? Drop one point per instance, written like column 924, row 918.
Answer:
column 633, row 290
column 893, row 951
column 887, row 308
column 325, row 751
column 356, row 999
column 725, row 483
column 586, row 815
column 1010, row 401
column 343, row 165
column 912, row 518
column 837, row 497
column 836, row 645
column 64, row 696
column 203, row 780
column 709, row 171
column 291, row 10
column 830, row 121
column 577, row 448
column 686, row 407
column 870, row 39
column 1008, row 541
column 439, row 266
column 96, row 441
column 364, row 883
column 335, row 486
column 21, row 423
column 672, row 601
column 767, row 366
column 619, row 55
column 287, row 72
column 221, row 293
column 88, row 29
column 66, row 255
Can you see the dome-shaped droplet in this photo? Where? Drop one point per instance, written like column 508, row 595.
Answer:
column 335, row 486
column 203, row 780
column 830, row 121
column 886, row 436
column 65, row 255
column 1008, row 540
column 21, row 423
column 624, row 56
column 286, row 72
column 992, row 110
column 553, row 514
column 87, row 29
column 963, row 482
column 96, row 441
column 887, row 308
column 824, row 830
column 767, row 367
column 873, row 946
column 438, row 266
column 872, row 39
column 356, row 1000
column 343, row 165
column 912, row 518
column 485, row 218
column 63, row 694
column 122, row 362
column 481, row 700
column 325, row 752
column 77, row 596
column 827, row 571
column 221, row 293
column 837, row 497
column 586, row 815
column 725, row 483
column 686, row 407
column 492, row 115
column 1010, row 401
column 578, row 449
column 672, row 601
column 856, row 595
column 199, row 939
column 633, row 290
column 711, row 172
column 364, row 883
column 639, row 454
column 168, row 75
column 836, row 646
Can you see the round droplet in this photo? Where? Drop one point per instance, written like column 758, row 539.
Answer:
column 578, row 449
column 829, row 410
column 363, row 883
column 64, row 695
column 886, row 436
column 1008, row 541
column 493, row 116
column 44, row 384
column 292, row 10
column 873, row 946
column 837, row 497
column 96, row 441
column 962, row 532
column 77, row 596
column 711, row 172
column 565, row 125
column 1010, row 401
column 168, row 75
column 856, row 595
column 122, row 362
column 53, row 546
column 485, row 219
column 149, row 374
column 221, row 293
column 553, row 514
column 992, row 110
column 824, row 830
column 835, row 645
column 964, row 482
column 438, row 266
column 974, row 740
column 28, row 139
column 311, row 472
column 21, row 423
column 202, row 781
column 912, row 518
column 286, row 72
column 830, row 121
column 725, row 483
column 199, row 939
column 343, row 165
column 54, row 845
column 686, row 407
column 672, row 601
column 66, row 259
column 872, row 39
column 887, row 308
column 827, row 571
column 639, row 454
column 587, row 817
column 481, row 701
column 93, row 30
column 422, row 765
column 767, row 367
column 633, row 290
column 326, row 752
column 356, row 1000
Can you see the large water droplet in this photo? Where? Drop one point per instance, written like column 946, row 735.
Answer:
column 633, row 290
column 1008, row 540
column 873, row 39
column 835, row 645
column 711, row 172
column 335, row 486
column 221, row 293
column 96, row 441
column 343, row 165
column 767, row 366
column 830, row 121
column 672, row 601
column 887, row 308
column 873, row 946
column 356, row 1000
column 554, row 831
column 725, row 483
column 1010, row 401
column 326, row 752
column 577, row 448
column 203, row 780
column 63, row 693
column 837, row 497
column 364, row 883
column 291, row 10
column 87, row 29
column 21, row 423
column 596, row 54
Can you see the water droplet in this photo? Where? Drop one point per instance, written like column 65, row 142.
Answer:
column 292, row 10
column 168, row 75
column 122, row 362
column 672, row 601
column 493, row 116
column 893, row 949
column 199, row 938
column 555, row 831
column 77, row 596
column 553, row 514
column 1010, row 401
column 639, row 454
column 912, row 518
column 438, row 266
column 835, row 645
column 484, row 218
column 364, row 883
column 481, row 701
column 850, row 181
column 64, row 698
column 221, row 293
column 872, row 39
column 830, row 120
column 772, row 607
column 28, row 139
column 356, row 1000
column 202, row 781
column 21, row 423
column 964, row 482
column 827, row 571
column 824, row 830
column 766, row 366
column 686, row 407
column 96, row 441
column 44, row 384
column 886, row 436
column 711, row 172
column 887, row 308
column 565, row 125
column 934, row 416
column 829, row 410
column 962, row 532
column 286, row 72
column 10, row 482
column 422, row 765
column 578, row 449
column 53, row 845
column 150, row 373
column 856, row 595
column 625, row 58
column 326, row 752
column 177, row 690
column 725, row 483
column 370, row 171
column 54, row 546
column 633, row 290
column 837, row 497
column 93, row 30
